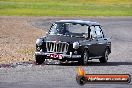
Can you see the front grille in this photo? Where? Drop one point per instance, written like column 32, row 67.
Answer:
column 60, row 47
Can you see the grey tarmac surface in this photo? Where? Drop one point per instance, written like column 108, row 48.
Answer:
column 29, row 75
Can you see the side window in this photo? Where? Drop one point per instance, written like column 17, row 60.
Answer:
column 98, row 31
column 92, row 32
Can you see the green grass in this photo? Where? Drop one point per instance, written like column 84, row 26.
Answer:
column 66, row 7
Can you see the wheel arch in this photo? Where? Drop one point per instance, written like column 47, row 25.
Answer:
column 86, row 48
column 109, row 49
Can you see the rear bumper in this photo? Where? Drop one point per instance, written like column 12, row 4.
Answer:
column 64, row 56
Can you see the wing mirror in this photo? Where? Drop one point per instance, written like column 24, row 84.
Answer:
column 96, row 37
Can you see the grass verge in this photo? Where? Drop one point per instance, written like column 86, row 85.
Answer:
column 66, row 7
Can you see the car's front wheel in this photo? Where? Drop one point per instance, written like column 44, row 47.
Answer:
column 104, row 59
column 39, row 59
column 84, row 59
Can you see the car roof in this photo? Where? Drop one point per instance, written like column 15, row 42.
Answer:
column 78, row 22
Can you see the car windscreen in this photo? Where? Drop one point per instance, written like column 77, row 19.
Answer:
column 73, row 29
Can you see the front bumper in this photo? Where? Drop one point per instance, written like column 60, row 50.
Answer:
column 64, row 56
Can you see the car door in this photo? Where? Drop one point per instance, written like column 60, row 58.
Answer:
column 101, row 41
column 93, row 43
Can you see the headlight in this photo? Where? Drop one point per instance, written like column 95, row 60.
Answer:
column 39, row 42
column 75, row 45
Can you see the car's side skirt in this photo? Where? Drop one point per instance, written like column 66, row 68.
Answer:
column 97, row 57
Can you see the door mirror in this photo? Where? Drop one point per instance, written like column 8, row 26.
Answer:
column 96, row 37
column 85, row 36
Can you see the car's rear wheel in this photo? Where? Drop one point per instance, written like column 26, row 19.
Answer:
column 104, row 59
column 39, row 59
column 84, row 59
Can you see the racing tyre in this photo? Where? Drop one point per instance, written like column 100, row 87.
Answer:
column 39, row 59
column 104, row 59
column 84, row 59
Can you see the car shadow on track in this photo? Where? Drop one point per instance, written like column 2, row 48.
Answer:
column 98, row 64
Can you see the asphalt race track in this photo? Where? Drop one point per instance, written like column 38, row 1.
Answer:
column 52, row 75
